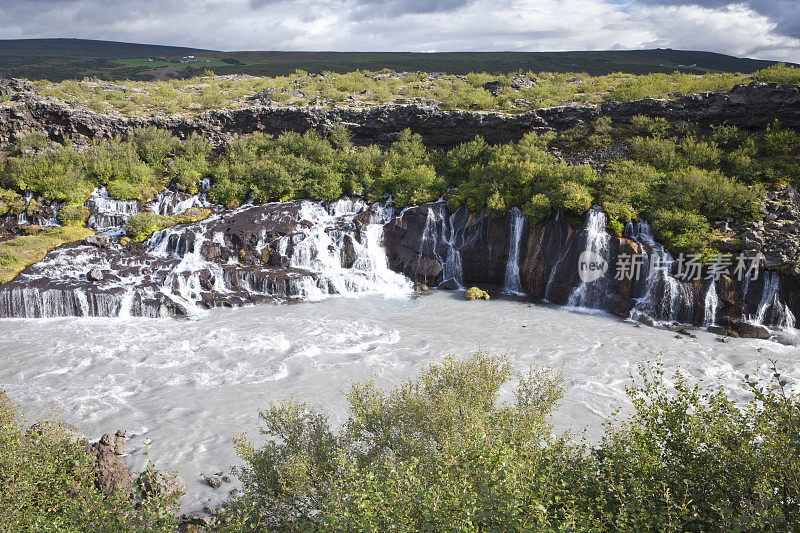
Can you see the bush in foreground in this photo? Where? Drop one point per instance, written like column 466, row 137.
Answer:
column 47, row 483
column 443, row 453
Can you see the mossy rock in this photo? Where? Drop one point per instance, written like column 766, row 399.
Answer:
column 142, row 225
column 474, row 293
column 34, row 208
column 25, row 250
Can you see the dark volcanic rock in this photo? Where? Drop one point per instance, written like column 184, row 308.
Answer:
column 751, row 106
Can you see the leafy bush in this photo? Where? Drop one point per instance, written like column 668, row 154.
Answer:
column 779, row 73
column 142, row 225
column 73, row 215
column 48, row 485
column 680, row 231
column 442, row 452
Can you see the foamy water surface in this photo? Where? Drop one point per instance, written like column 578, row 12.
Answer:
column 188, row 386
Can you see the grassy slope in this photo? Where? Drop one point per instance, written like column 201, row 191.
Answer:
column 20, row 252
column 58, row 59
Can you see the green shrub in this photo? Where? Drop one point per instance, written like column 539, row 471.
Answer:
column 142, row 225
column 680, row 231
column 649, row 126
column 573, row 197
column 442, row 453
column 779, row 73
column 538, row 208
column 32, row 142
column 73, row 215
column 48, row 485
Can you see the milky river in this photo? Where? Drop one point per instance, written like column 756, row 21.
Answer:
column 189, row 386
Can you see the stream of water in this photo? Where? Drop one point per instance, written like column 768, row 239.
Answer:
column 189, row 386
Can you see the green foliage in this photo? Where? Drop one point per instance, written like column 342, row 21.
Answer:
column 73, row 215
column 428, row 455
column 538, row 208
column 48, row 485
column 32, row 142
column 779, row 73
column 710, row 175
column 649, row 126
column 695, row 460
column 681, row 231
column 443, row 453
column 142, row 225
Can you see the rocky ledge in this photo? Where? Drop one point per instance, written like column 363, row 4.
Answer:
column 753, row 106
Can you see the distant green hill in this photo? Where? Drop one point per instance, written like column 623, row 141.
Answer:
column 59, row 59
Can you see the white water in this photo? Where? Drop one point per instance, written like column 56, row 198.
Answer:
column 512, row 284
column 772, row 311
column 189, row 386
column 591, row 295
column 109, row 215
column 175, row 270
column 710, row 305
column 321, row 248
column 665, row 298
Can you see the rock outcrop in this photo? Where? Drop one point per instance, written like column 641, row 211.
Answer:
column 422, row 241
column 753, row 106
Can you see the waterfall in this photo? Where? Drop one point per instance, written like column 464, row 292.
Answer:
column 440, row 232
column 318, row 250
column 512, row 284
column 710, row 305
column 107, row 214
column 452, row 268
column 170, row 203
column 772, row 311
column 343, row 259
column 591, row 293
column 665, row 298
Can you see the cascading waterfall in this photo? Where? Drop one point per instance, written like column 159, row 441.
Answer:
column 512, row 284
column 592, row 294
column 329, row 249
column 452, row 266
column 665, row 298
column 342, row 259
column 108, row 215
column 710, row 305
column 772, row 311
column 172, row 202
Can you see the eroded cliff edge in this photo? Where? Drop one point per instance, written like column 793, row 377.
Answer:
column 753, row 106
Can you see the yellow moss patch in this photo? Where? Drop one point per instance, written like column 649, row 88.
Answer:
column 474, row 293
column 20, row 252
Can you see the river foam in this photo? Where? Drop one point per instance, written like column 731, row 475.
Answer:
column 189, row 386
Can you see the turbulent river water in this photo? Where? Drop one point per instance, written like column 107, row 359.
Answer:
column 189, row 386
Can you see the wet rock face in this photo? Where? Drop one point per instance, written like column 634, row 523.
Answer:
column 112, row 474
column 752, row 106
column 417, row 245
column 268, row 253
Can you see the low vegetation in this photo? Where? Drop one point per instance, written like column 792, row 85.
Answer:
column 143, row 225
column 680, row 178
column 48, row 484
column 514, row 93
column 443, row 453
column 24, row 250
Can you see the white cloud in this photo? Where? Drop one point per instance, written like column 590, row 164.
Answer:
column 408, row 25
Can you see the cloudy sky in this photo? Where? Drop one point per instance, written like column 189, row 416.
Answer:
column 766, row 29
